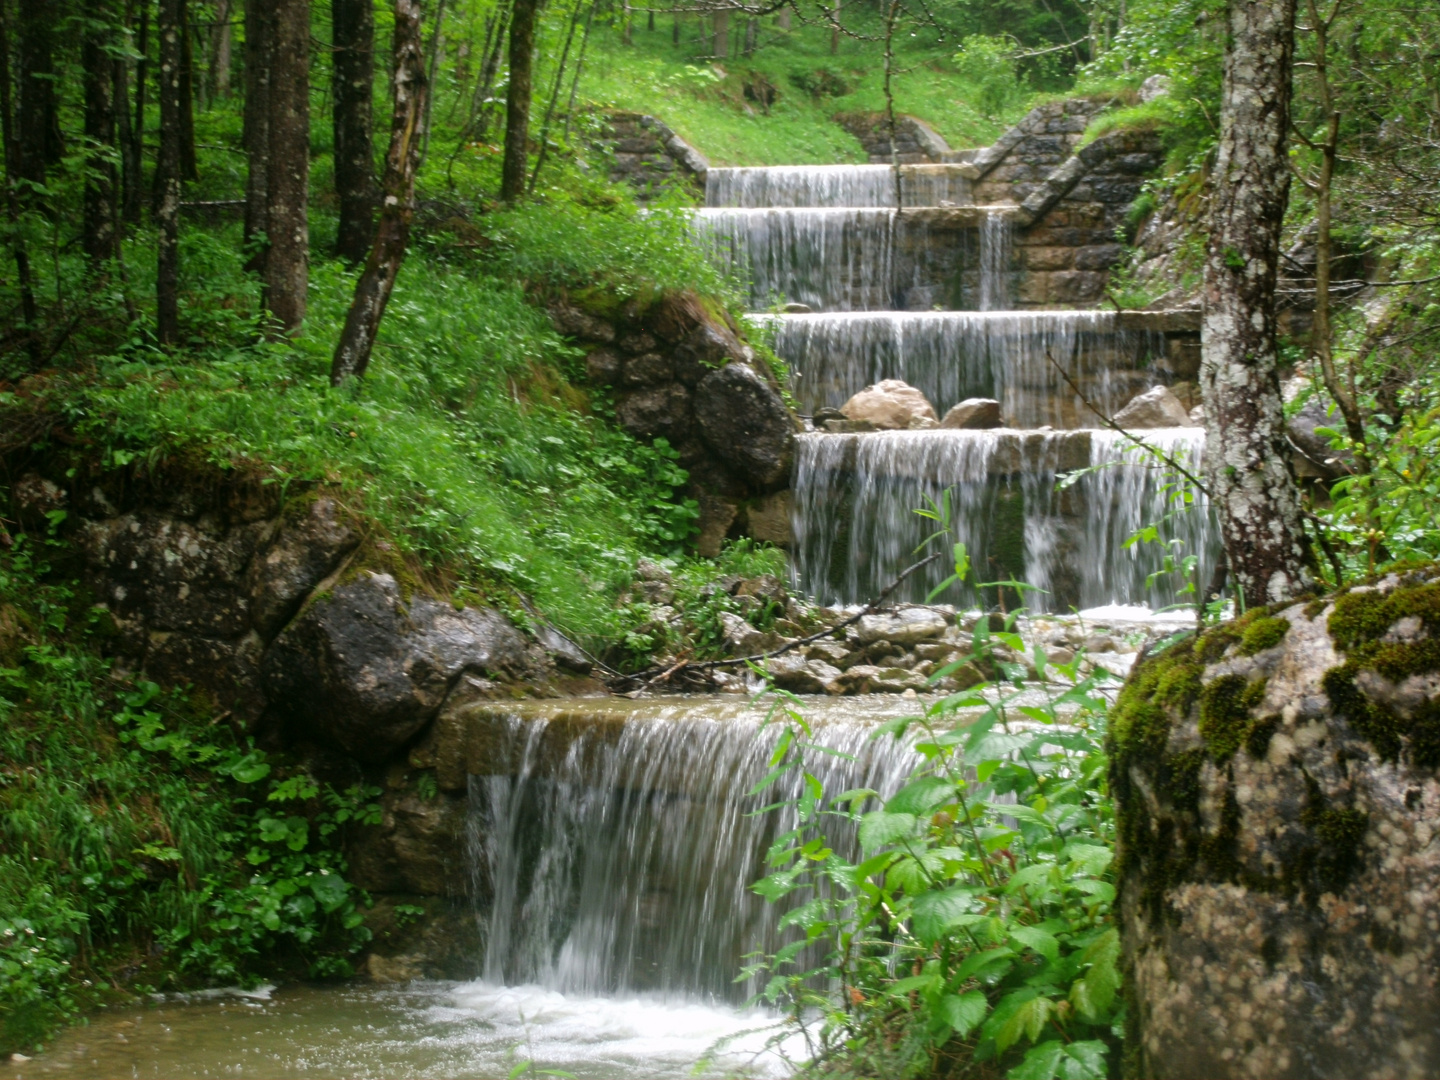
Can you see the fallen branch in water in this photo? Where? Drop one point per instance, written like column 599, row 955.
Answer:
column 655, row 674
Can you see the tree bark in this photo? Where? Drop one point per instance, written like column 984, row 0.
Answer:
column 1251, row 481
column 372, row 292
column 28, row 311
column 171, row 27
column 517, row 100
column 488, row 75
column 134, row 200
column 354, row 77
column 99, row 234
column 220, row 48
column 259, row 31
column 721, row 46
column 189, row 167
column 287, row 263
column 41, row 143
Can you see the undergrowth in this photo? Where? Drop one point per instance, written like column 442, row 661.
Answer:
column 143, row 846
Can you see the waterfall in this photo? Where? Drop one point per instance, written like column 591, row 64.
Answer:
column 952, row 355
column 835, row 185
column 618, row 852
column 856, row 526
column 997, row 238
column 836, row 258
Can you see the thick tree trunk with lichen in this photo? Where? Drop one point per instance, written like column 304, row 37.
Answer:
column 1276, row 786
column 372, row 292
column 287, row 177
column 354, row 83
column 1252, row 485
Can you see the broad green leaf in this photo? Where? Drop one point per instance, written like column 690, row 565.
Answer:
column 976, row 963
column 1102, row 891
column 1091, row 858
column 935, row 912
column 1043, row 943
column 879, row 828
column 963, row 1012
column 1093, row 994
column 914, row 982
column 994, row 746
column 1029, row 875
column 921, row 796
column 330, row 889
column 1055, row 1060
column 1026, row 1022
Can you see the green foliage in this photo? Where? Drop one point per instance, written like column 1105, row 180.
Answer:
column 976, row 927
column 139, row 840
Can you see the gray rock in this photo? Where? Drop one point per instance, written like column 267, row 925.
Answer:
column 706, row 348
column 650, row 570
column 802, row 676
column 740, row 637
column 889, row 405
column 745, row 422
column 602, row 366
column 648, row 369
column 768, row 519
column 306, row 548
column 576, row 323
column 562, row 650
column 974, row 413
column 367, row 670
column 636, row 342
column 1316, row 453
column 905, row 627
column 1155, row 408
column 658, row 410
column 832, row 652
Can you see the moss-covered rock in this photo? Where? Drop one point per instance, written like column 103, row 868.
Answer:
column 1275, row 784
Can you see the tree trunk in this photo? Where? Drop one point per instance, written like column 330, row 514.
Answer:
column 835, row 28
column 488, row 74
column 1251, row 481
column 28, row 310
column 171, row 28
column 372, row 291
column 287, row 179
column 99, row 234
column 354, row 41
column 259, row 30
column 432, row 67
column 189, row 169
column 721, row 48
column 135, row 146
column 220, row 48
column 517, row 100
column 41, row 143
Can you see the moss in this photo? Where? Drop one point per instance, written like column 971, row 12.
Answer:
column 1330, row 862
column 1264, row 633
column 1257, row 739
column 1180, row 779
column 1225, row 720
column 1161, row 686
column 1358, row 624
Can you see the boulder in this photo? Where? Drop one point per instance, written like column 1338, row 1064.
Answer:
column 800, row 675
column 1316, row 456
column 740, row 637
column 676, row 315
column 1155, row 408
column 562, row 650
column 306, row 548
column 1277, row 785
column 768, row 519
column 657, row 410
column 647, row 369
column 891, row 405
column 745, row 422
column 904, row 627
column 871, row 679
column 602, row 366
column 707, row 348
column 975, row 412
column 366, row 670
column 576, row 323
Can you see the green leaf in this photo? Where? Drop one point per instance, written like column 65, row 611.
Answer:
column 1025, row 1022
column 921, row 796
column 1094, row 994
column 1090, row 858
column 935, row 912
column 1043, row 943
column 1029, row 875
column 1054, row 1060
column 880, row 827
column 994, row 746
column 914, row 982
column 330, row 889
column 963, row 1012
column 976, row 963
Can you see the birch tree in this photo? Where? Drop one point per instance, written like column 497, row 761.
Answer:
column 1251, row 481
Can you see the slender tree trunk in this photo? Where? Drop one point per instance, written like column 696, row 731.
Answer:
column 135, row 148
column 28, row 311
column 432, row 67
column 287, row 263
column 554, row 97
column 489, row 73
column 189, row 168
column 721, row 48
column 41, row 143
column 1251, row 481
column 579, row 69
column 372, row 291
column 675, row 29
column 259, row 33
column 782, row 19
column 220, row 49
column 354, row 79
column 124, row 131
column 171, row 28
column 835, row 28
column 517, row 100
column 99, row 233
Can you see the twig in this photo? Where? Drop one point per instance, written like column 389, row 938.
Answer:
column 655, row 674
column 1133, row 438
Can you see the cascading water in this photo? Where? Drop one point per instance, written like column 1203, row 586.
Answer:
column 836, row 185
column 623, row 861
column 856, row 526
column 952, row 355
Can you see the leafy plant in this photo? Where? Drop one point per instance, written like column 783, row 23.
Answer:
column 974, row 925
